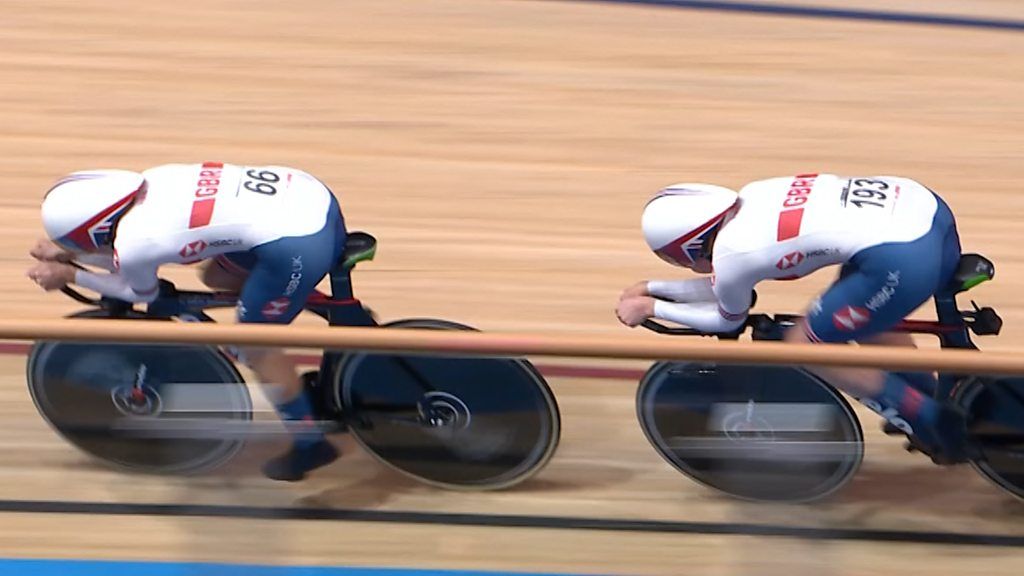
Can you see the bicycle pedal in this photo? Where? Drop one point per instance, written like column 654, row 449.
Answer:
column 937, row 459
column 891, row 429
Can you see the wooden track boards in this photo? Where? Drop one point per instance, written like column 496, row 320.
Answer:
column 502, row 151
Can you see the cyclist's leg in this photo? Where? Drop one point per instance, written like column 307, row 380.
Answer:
column 885, row 338
column 852, row 287
column 890, row 282
column 927, row 382
column 950, row 249
column 841, row 315
column 923, row 381
column 285, row 274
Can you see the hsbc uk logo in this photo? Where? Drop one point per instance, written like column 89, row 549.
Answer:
column 794, row 259
column 276, row 307
column 790, row 260
column 822, row 252
column 850, row 318
column 296, row 277
column 192, row 249
column 884, row 295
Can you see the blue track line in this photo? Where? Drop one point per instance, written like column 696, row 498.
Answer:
column 109, row 568
column 821, row 12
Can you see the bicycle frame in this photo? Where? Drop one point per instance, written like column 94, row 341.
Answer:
column 952, row 332
column 377, row 396
column 342, row 308
column 952, row 328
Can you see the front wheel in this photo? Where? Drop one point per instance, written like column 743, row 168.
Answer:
column 759, row 433
column 147, row 408
column 455, row 422
column 996, row 409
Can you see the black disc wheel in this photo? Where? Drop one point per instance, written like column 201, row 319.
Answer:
column 455, row 422
column 996, row 409
column 149, row 408
column 759, row 433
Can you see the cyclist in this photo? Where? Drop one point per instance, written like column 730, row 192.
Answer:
column 895, row 240
column 271, row 233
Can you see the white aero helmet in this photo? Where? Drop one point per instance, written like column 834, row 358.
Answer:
column 80, row 210
column 677, row 220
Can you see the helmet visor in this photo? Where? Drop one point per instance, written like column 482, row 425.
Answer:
column 99, row 230
column 685, row 250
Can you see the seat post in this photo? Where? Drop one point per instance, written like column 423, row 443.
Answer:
column 341, row 283
column 948, row 314
column 348, row 312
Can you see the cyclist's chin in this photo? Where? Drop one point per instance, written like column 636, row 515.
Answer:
column 701, row 266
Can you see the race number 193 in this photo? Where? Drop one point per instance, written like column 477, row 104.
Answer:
column 867, row 193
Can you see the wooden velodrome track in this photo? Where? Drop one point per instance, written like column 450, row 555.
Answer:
column 501, row 151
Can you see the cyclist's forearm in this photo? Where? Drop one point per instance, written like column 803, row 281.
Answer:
column 98, row 259
column 114, row 286
column 703, row 316
column 693, row 290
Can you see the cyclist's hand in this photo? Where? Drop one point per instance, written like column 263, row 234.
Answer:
column 638, row 289
column 51, row 275
column 633, row 311
column 46, row 251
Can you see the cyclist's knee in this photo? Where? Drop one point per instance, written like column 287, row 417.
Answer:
column 798, row 333
column 215, row 276
column 900, row 339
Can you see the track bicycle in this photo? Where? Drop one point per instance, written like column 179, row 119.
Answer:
column 454, row 422
column 781, row 433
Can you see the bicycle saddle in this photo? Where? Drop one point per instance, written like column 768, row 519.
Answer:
column 972, row 270
column 358, row 247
